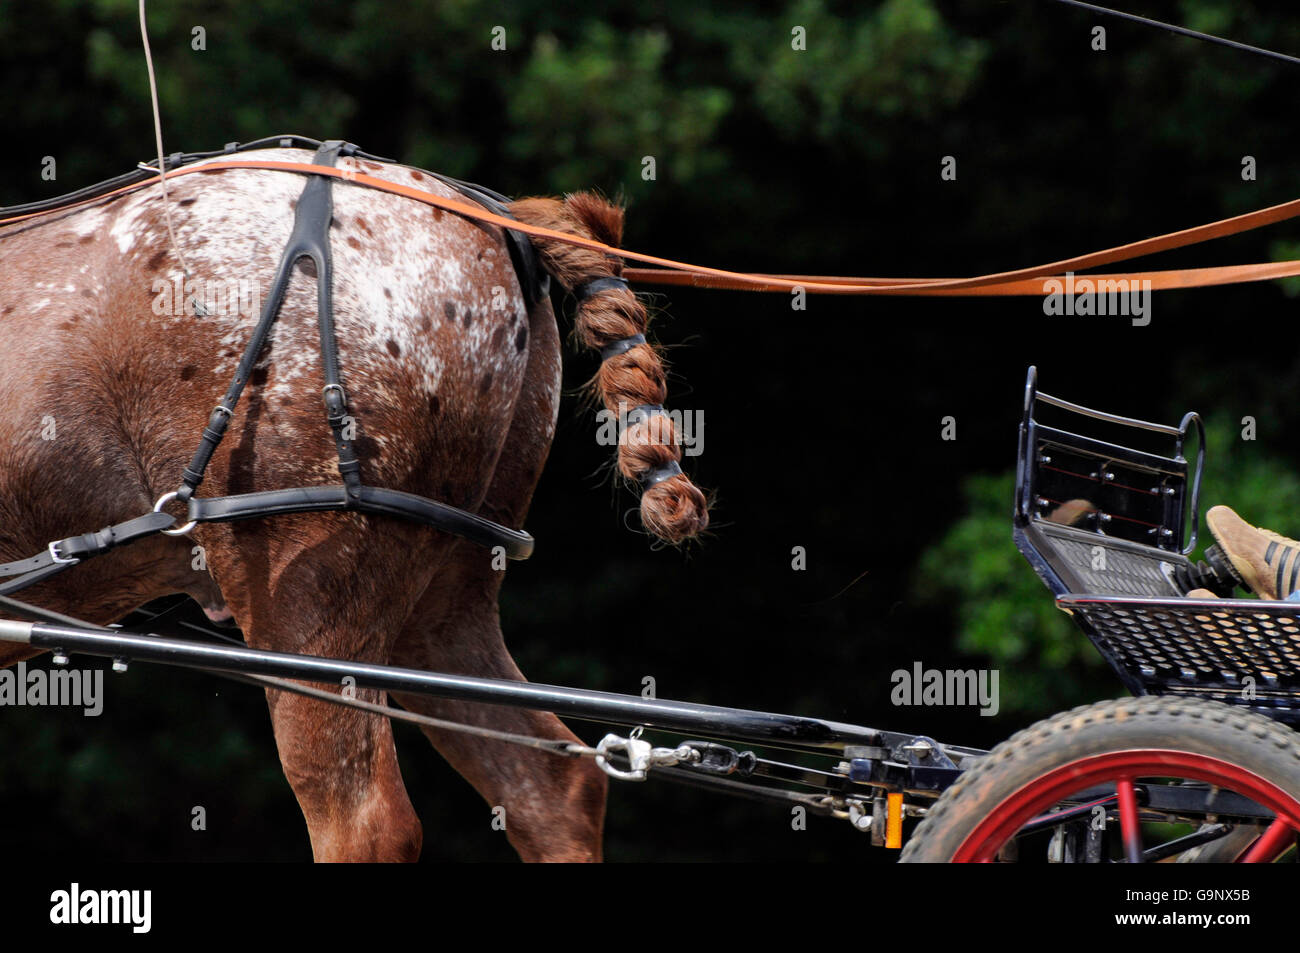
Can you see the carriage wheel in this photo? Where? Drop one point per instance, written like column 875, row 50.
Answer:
column 1229, row 849
column 1119, row 751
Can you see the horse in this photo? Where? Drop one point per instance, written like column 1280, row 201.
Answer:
column 107, row 375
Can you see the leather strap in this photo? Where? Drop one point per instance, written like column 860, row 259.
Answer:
column 720, row 278
column 33, row 577
column 938, row 287
column 311, row 237
column 373, row 500
column 75, row 549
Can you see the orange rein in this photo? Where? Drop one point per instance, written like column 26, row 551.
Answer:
column 1023, row 281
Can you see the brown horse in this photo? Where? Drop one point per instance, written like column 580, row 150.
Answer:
column 107, row 378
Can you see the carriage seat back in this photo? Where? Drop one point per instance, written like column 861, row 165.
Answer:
column 1098, row 517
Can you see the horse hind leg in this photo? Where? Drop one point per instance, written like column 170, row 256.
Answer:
column 341, row 763
column 342, row 766
column 553, row 807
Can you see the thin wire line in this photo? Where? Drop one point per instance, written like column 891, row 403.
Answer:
column 1183, row 31
column 157, row 129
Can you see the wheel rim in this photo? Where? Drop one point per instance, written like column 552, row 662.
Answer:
column 1123, row 768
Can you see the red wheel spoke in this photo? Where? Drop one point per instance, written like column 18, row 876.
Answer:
column 1279, row 836
column 1129, row 826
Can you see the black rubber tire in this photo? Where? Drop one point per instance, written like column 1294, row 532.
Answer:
column 1258, row 744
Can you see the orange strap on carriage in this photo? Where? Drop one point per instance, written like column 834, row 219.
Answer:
column 667, row 271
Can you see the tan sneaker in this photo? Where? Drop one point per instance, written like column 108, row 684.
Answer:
column 1201, row 594
column 1268, row 563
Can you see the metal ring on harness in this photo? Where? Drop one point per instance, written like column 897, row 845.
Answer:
column 157, row 508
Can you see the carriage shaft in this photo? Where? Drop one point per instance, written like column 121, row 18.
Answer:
column 713, row 720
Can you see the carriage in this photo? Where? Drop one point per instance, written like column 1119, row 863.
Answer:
column 1202, row 763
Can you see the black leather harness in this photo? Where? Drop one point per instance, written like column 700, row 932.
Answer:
column 309, row 239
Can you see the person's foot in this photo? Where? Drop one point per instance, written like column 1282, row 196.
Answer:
column 1201, row 594
column 1268, row 563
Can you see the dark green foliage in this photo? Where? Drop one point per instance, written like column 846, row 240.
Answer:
column 823, row 425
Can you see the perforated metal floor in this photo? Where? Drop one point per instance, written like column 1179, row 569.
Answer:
column 1238, row 651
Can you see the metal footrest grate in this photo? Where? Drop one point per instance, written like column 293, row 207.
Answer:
column 1238, row 651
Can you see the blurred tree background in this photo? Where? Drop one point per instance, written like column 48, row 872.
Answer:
column 823, row 426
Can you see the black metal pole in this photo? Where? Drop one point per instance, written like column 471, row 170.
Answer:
column 709, row 720
column 1182, row 31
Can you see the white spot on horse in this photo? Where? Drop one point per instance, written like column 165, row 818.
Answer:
column 86, row 222
column 126, row 228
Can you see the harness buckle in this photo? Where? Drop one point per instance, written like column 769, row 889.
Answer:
column 54, row 554
column 336, row 403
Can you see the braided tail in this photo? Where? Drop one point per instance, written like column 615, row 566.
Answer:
column 612, row 320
